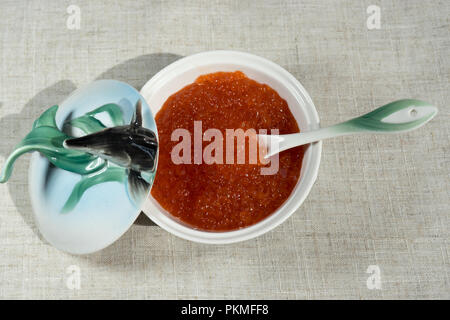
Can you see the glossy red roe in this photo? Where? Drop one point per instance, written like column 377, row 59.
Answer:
column 222, row 197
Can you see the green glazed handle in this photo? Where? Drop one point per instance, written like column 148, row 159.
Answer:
column 397, row 116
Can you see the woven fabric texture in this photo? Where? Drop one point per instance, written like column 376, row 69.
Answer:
column 379, row 200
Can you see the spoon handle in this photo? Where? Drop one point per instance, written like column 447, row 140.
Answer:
column 397, row 116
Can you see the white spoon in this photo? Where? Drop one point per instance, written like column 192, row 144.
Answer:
column 397, row 116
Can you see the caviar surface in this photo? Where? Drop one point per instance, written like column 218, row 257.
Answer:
column 222, row 197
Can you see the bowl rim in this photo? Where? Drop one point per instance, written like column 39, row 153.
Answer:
column 308, row 177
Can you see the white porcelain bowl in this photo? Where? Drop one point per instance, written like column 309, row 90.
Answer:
column 185, row 71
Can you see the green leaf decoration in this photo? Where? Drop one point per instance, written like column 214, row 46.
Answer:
column 46, row 138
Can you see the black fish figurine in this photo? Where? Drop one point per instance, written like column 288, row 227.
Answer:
column 132, row 146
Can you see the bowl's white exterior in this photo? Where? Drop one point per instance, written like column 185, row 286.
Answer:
column 185, row 71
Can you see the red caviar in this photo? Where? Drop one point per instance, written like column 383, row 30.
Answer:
column 223, row 197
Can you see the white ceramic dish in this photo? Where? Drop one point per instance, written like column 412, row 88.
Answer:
column 105, row 211
column 185, row 71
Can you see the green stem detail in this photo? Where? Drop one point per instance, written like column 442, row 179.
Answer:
column 110, row 174
column 88, row 123
column 46, row 138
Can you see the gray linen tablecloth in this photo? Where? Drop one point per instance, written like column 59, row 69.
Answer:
column 379, row 200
